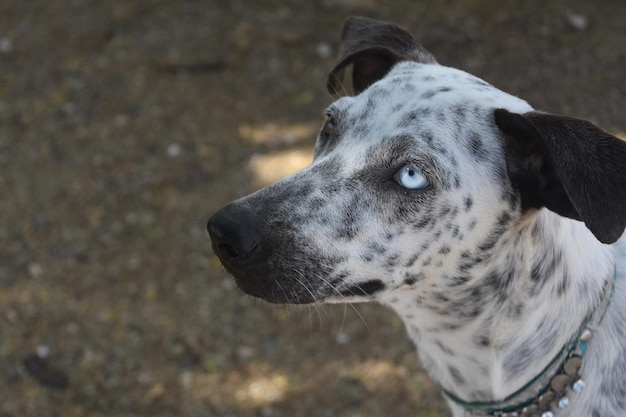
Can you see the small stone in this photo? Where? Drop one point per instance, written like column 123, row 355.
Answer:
column 577, row 21
column 6, row 45
column 563, row 402
column 245, row 352
column 43, row 351
column 174, row 150
column 35, row 270
column 547, row 414
column 324, row 50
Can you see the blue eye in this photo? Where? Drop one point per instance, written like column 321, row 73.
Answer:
column 411, row 178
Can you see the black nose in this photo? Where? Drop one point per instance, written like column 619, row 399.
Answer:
column 235, row 237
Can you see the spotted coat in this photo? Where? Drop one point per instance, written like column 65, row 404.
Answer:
column 492, row 262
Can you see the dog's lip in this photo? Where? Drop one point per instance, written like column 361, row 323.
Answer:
column 363, row 289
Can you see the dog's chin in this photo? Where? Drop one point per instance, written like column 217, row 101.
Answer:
column 278, row 290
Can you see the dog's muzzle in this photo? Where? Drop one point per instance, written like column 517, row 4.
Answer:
column 262, row 256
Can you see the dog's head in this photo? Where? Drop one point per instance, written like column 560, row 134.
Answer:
column 415, row 180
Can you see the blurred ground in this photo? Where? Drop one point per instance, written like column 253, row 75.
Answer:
column 123, row 125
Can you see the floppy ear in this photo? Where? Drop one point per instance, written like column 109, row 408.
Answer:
column 570, row 166
column 373, row 47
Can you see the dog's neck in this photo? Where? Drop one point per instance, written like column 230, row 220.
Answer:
column 488, row 337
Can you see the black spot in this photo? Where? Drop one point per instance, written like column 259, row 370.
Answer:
column 468, row 203
column 481, row 341
column 459, row 110
column 468, row 261
column 408, row 87
column 457, row 280
column 445, row 349
column 476, row 147
column 428, row 137
column 503, row 220
column 451, row 326
column 445, row 250
column 364, row 289
column 457, row 181
column 512, row 198
column 315, row 204
column 411, row 279
column 440, row 297
column 391, row 261
column 563, row 285
column 422, row 223
column 514, row 311
column 456, row 375
column 412, row 117
column 411, row 261
column 347, row 232
column 543, row 269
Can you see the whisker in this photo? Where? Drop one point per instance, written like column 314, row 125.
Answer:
column 344, row 92
column 310, row 292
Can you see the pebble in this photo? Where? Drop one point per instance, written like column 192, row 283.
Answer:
column 35, row 270
column 6, row 45
column 174, row 150
column 324, row 50
column 577, row 21
column 43, row 351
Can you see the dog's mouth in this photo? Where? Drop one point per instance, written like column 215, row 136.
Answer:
column 365, row 289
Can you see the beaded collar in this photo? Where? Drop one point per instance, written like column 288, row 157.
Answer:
column 555, row 395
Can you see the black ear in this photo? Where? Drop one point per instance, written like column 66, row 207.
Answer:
column 373, row 47
column 570, row 166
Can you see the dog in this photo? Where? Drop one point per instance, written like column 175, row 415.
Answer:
column 492, row 229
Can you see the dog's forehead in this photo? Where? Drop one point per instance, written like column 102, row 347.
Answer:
column 428, row 94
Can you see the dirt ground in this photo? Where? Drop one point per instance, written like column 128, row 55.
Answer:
column 124, row 124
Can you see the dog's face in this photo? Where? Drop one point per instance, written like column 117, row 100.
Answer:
column 415, row 179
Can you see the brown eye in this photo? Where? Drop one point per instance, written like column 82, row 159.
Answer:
column 329, row 125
